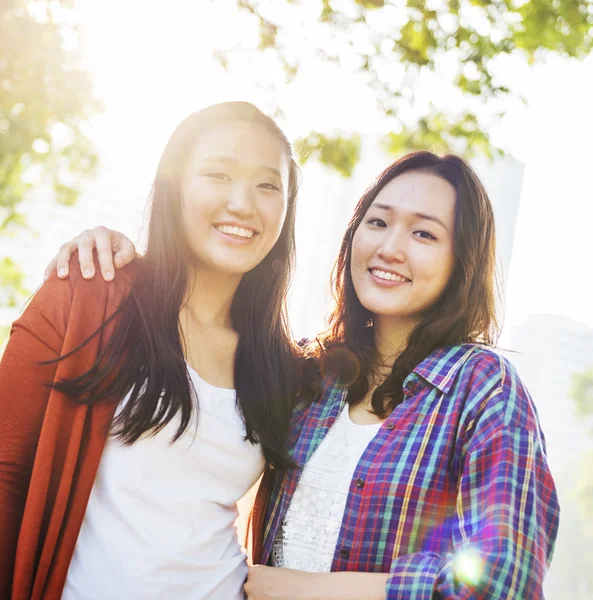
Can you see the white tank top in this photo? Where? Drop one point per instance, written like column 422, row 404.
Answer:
column 309, row 534
column 160, row 518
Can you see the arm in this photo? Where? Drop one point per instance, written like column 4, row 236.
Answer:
column 112, row 248
column 504, row 528
column 269, row 583
column 36, row 336
column 506, row 513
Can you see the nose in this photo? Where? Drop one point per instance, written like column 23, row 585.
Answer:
column 241, row 200
column 392, row 247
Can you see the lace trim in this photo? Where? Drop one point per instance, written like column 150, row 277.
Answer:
column 308, row 536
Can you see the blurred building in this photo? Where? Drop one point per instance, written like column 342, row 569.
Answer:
column 549, row 350
column 503, row 180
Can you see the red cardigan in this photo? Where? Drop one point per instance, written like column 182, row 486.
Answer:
column 50, row 448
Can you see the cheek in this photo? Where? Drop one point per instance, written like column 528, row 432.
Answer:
column 190, row 211
column 360, row 253
column 198, row 212
column 194, row 222
column 438, row 270
column 197, row 215
column 203, row 198
column 448, row 263
column 273, row 215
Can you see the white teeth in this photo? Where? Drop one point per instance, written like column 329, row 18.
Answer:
column 238, row 231
column 388, row 276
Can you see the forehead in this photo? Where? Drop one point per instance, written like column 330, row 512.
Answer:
column 419, row 191
column 249, row 144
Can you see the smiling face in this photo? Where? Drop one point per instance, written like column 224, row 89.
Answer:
column 234, row 197
column 403, row 250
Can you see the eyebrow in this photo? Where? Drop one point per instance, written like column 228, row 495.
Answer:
column 234, row 161
column 419, row 215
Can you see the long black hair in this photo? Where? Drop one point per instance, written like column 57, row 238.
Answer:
column 144, row 357
column 465, row 312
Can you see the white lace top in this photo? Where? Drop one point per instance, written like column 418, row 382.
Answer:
column 309, row 534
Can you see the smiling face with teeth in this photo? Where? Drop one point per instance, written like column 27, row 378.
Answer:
column 403, row 250
column 234, row 197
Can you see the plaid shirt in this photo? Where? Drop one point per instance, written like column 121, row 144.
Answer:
column 453, row 497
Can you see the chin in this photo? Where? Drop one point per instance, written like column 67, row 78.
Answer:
column 233, row 265
column 234, row 270
column 389, row 311
column 386, row 311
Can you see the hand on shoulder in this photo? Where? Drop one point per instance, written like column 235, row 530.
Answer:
column 98, row 247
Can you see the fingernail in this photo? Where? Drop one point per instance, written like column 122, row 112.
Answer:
column 88, row 273
column 62, row 272
column 108, row 275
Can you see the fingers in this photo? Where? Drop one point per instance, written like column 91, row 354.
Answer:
column 124, row 249
column 103, row 239
column 113, row 248
column 62, row 260
column 85, row 242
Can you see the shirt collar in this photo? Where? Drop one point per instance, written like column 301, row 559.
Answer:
column 441, row 367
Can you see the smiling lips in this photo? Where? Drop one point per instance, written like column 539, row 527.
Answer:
column 239, row 232
column 389, row 276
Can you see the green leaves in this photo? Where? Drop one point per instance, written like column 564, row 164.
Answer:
column 370, row 3
column 335, row 151
column 12, row 290
column 582, row 392
column 452, row 45
column 439, row 133
column 45, row 99
column 416, row 43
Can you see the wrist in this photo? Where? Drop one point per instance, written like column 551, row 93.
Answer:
column 346, row 585
column 309, row 586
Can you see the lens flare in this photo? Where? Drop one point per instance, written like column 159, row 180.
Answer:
column 343, row 363
column 468, row 567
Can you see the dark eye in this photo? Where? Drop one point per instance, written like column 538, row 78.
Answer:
column 217, row 176
column 424, row 235
column 377, row 222
column 269, row 186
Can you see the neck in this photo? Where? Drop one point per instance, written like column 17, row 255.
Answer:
column 209, row 297
column 391, row 338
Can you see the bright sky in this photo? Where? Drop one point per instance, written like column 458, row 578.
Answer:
column 152, row 64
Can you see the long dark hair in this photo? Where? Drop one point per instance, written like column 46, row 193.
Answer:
column 465, row 312
column 144, row 356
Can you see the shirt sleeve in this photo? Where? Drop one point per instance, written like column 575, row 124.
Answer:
column 504, row 525
column 35, row 337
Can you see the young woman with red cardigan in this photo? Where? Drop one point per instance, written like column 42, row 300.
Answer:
column 136, row 411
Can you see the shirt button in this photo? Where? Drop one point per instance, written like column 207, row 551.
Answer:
column 390, row 425
column 360, row 483
column 344, row 553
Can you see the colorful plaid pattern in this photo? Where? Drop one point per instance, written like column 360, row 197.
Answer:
column 453, row 497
